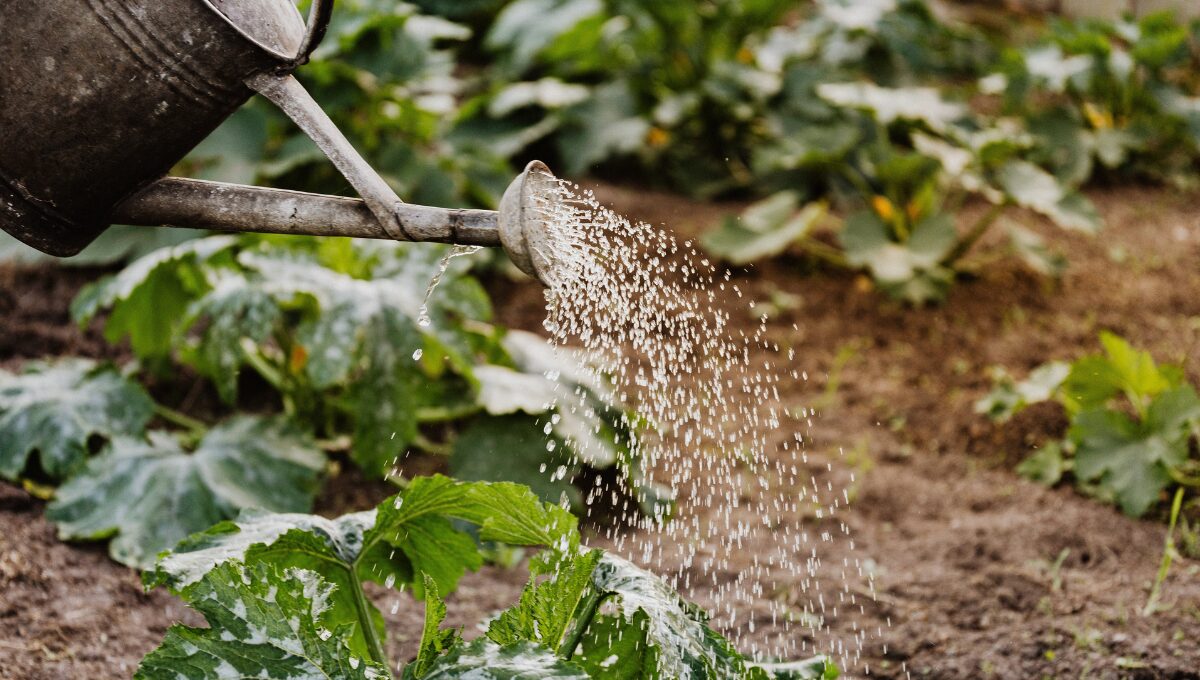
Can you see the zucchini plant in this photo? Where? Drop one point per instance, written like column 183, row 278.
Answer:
column 1133, row 425
column 283, row 597
column 340, row 331
column 918, row 158
column 1104, row 97
column 146, row 489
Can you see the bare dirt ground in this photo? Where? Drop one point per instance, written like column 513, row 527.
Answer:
column 964, row 552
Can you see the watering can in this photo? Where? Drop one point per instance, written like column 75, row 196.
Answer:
column 100, row 98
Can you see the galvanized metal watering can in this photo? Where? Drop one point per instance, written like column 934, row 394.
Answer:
column 100, row 98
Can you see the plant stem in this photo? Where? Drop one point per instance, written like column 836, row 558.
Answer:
column 1167, row 558
column 176, row 418
column 586, row 612
column 429, row 446
column 374, row 644
column 964, row 245
column 824, row 252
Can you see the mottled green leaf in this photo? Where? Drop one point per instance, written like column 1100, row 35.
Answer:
column 1009, row 397
column 148, row 494
column 149, row 298
column 53, row 409
column 915, row 104
column 263, row 623
column 485, row 660
column 763, row 230
column 616, row 648
column 1034, row 188
column 406, row 535
column 687, row 647
column 912, row 270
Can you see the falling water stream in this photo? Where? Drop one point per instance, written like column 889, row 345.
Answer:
column 654, row 318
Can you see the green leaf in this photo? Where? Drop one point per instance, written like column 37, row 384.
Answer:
column 53, row 409
column 233, row 310
column 485, row 660
column 616, row 648
column 1034, row 252
column 526, row 27
column 764, row 230
column 1134, row 459
column 434, row 641
column 816, row 668
column 914, row 104
column 549, row 609
column 515, row 448
column 150, row 494
column 1008, row 398
column 1034, row 188
column 1096, row 380
column 686, row 646
column 149, row 298
column 406, row 535
column 1046, row 466
column 911, row 271
column 262, row 623
column 605, row 126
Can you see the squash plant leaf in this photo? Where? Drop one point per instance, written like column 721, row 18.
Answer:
column 151, row 493
column 549, row 607
column 514, row 448
column 1032, row 187
column 54, row 409
column 1095, row 380
column 486, row 660
column 407, row 539
column 1131, row 458
column 766, row 228
column 263, row 623
column 434, row 640
column 149, row 298
column 616, row 648
column 911, row 270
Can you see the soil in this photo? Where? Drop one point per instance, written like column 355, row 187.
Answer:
column 978, row 573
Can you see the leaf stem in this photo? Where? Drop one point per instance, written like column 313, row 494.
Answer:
column 182, row 420
column 374, row 644
column 585, row 612
column 977, row 231
column 824, row 252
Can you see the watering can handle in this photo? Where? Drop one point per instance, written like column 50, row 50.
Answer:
column 318, row 22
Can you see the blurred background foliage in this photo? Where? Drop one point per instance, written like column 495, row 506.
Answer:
column 886, row 111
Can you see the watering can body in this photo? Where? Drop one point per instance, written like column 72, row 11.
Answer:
column 99, row 98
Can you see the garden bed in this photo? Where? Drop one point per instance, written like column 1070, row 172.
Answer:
column 966, row 553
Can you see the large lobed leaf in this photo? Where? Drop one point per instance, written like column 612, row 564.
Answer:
column 151, row 493
column 54, row 409
column 407, row 535
column 1133, row 459
column 263, row 623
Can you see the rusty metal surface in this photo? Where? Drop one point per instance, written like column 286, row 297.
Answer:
column 232, row 207
column 100, row 97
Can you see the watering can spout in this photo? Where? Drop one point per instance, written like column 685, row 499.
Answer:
column 518, row 226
